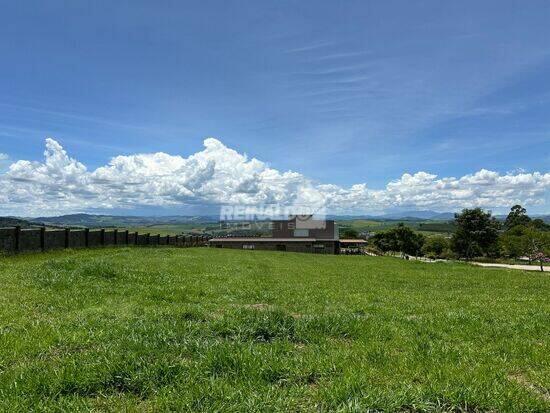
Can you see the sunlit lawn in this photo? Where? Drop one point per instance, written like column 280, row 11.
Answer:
column 224, row 330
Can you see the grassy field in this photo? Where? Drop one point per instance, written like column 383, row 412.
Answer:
column 212, row 228
column 168, row 229
column 425, row 227
column 224, row 330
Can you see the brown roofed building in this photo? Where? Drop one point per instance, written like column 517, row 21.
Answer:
column 298, row 234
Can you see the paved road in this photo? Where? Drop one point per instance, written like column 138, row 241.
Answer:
column 514, row 266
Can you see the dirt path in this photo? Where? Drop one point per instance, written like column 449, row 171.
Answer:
column 513, row 266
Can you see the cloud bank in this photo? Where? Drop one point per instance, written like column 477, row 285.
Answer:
column 219, row 175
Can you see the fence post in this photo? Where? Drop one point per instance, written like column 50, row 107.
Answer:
column 17, row 242
column 127, row 237
column 87, row 237
column 148, row 237
column 103, row 236
column 176, row 243
column 43, row 239
column 115, row 235
column 67, row 235
column 136, row 238
column 168, row 240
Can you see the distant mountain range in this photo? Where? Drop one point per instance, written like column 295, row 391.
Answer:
column 105, row 221
column 90, row 220
column 405, row 216
column 431, row 215
column 13, row 222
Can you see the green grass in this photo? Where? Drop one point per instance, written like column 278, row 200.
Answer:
column 225, row 330
column 427, row 228
column 168, row 229
column 192, row 227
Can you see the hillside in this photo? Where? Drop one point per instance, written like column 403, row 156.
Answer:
column 422, row 225
column 227, row 330
column 96, row 221
column 210, row 224
column 12, row 222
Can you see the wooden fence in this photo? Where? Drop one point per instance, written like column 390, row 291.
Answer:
column 15, row 239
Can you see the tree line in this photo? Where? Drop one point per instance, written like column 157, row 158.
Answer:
column 478, row 234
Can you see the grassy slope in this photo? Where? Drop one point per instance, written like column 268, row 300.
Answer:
column 168, row 229
column 210, row 329
column 425, row 227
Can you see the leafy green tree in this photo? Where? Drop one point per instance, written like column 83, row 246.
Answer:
column 540, row 225
column 436, row 246
column 517, row 216
column 523, row 236
column 385, row 241
column 514, row 242
column 476, row 233
column 409, row 242
column 538, row 245
column 525, row 241
column 399, row 239
column 350, row 233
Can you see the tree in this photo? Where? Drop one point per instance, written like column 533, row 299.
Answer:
column 514, row 242
column 436, row 246
column 400, row 239
column 408, row 241
column 385, row 241
column 527, row 241
column 540, row 225
column 542, row 258
column 517, row 216
column 523, row 236
column 350, row 233
column 538, row 246
column 476, row 233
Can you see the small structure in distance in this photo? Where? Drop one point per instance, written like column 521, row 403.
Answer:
column 297, row 234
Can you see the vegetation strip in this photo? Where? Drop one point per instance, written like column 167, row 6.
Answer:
column 200, row 329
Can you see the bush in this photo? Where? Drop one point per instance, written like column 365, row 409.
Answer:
column 435, row 246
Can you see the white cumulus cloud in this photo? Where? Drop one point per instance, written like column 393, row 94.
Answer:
column 220, row 175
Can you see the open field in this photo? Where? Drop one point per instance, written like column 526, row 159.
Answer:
column 212, row 228
column 169, row 229
column 149, row 329
column 172, row 225
column 425, row 227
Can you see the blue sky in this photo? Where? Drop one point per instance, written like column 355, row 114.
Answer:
column 341, row 92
